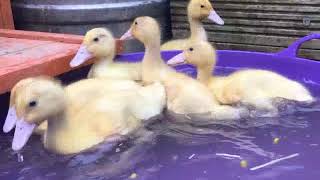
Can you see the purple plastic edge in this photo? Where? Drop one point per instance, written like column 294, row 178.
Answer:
column 292, row 50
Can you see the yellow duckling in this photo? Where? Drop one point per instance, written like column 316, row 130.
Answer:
column 252, row 87
column 12, row 113
column 198, row 10
column 184, row 94
column 100, row 43
column 82, row 114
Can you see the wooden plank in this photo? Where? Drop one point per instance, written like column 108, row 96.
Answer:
column 260, row 22
column 52, row 59
column 44, row 36
column 26, row 54
column 300, row 2
column 258, row 7
column 6, row 15
column 315, row 18
column 1, row 20
column 267, row 7
column 245, row 29
column 253, row 39
column 56, row 66
column 12, row 45
column 37, row 54
column 305, row 53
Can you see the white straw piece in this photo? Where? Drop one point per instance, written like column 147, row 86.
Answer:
column 274, row 162
column 229, row 155
column 190, row 157
column 20, row 157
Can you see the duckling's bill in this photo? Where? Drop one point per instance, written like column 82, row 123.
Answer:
column 178, row 59
column 22, row 131
column 127, row 36
column 82, row 56
column 10, row 120
column 22, row 134
column 213, row 16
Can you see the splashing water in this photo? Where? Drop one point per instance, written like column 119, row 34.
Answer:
column 20, row 157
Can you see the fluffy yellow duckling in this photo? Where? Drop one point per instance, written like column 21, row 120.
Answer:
column 252, row 87
column 82, row 114
column 39, row 130
column 198, row 10
column 100, row 43
column 184, row 94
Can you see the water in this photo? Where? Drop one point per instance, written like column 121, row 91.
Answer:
column 170, row 150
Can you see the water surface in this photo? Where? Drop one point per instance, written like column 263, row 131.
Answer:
column 187, row 151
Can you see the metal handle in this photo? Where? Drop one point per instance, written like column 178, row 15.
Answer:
column 292, row 50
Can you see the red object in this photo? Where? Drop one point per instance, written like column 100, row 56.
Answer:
column 25, row 53
column 6, row 20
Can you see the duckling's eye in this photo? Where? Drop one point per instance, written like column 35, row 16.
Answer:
column 96, row 39
column 32, row 103
column 191, row 49
column 136, row 23
column 202, row 6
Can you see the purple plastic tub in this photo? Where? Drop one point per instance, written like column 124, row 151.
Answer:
column 188, row 152
column 253, row 139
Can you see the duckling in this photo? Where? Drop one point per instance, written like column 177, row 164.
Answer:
column 100, row 44
column 185, row 95
column 40, row 130
column 80, row 115
column 198, row 10
column 11, row 116
column 253, row 87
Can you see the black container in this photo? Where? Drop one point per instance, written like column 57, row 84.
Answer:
column 78, row 16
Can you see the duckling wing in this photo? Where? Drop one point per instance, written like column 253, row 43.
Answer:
column 186, row 95
column 270, row 85
column 126, row 71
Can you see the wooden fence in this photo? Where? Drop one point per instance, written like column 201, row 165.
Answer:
column 257, row 25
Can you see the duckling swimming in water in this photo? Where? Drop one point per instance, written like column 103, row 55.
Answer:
column 80, row 115
column 253, row 87
column 198, row 10
column 9, row 123
column 99, row 43
column 185, row 95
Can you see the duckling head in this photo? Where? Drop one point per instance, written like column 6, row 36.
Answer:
column 35, row 99
column 202, row 9
column 98, row 43
column 200, row 54
column 146, row 29
column 12, row 115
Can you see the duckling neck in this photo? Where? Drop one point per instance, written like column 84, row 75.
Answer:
column 56, row 122
column 152, row 54
column 152, row 59
column 205, row 74
column 104, row 61
column 56, row 125
column 197, row 30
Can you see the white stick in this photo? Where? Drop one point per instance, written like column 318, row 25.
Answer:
column 274, row 162
column 190, row 157
column 229, row 155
